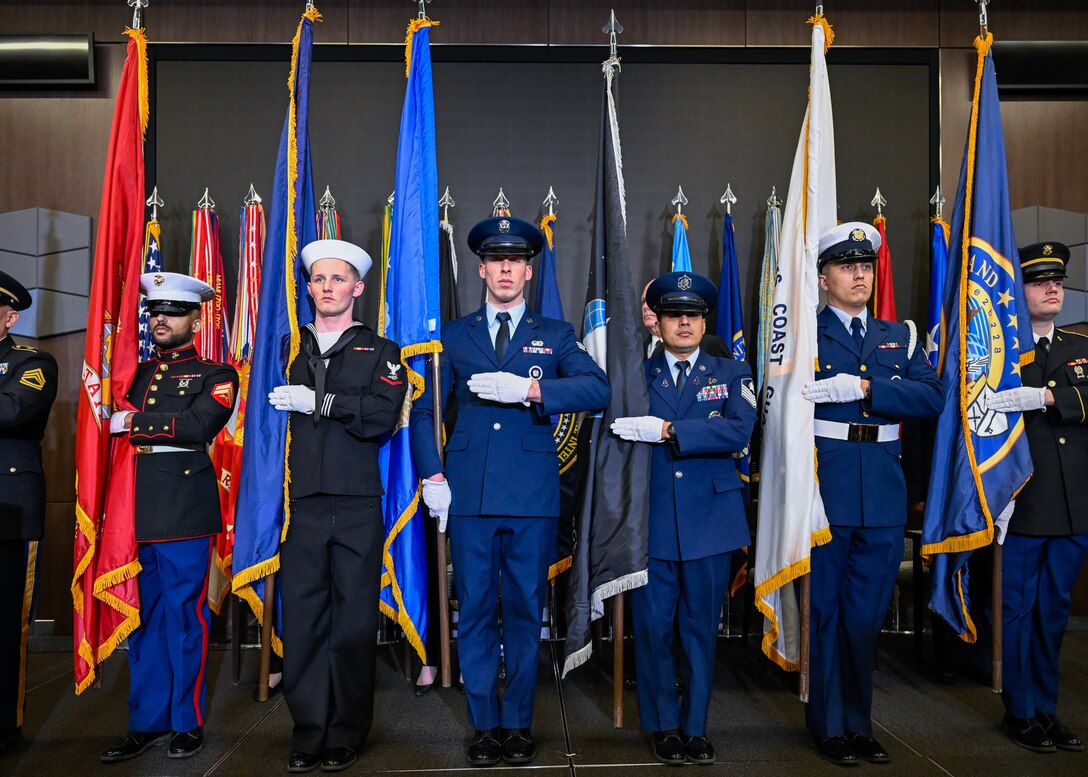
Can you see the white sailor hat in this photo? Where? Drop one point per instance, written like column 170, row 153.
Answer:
column 337, row 249
column 851, row 241
column 172, row 292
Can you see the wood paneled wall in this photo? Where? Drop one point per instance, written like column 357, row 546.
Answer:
column 54, row 142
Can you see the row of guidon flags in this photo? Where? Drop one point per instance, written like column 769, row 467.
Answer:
column 979, row 465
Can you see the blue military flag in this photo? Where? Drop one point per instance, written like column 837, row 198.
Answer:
column 980, row 458
column 413, row 319
column 261, row 520
column 730, row 323
column 937, row 272
column 152, row 263
column 681, row 254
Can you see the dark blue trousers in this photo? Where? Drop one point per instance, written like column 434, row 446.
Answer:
column 519, row 551
column 852, row 581
column 168, row 652
column 689, row 595
column 1038, row 574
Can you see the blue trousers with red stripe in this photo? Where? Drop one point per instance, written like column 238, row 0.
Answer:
column 167, row 654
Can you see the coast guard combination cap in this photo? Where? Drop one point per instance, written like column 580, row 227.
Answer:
column 337, row 249
column 681, row 292
column 13, row 293
column 505, row 236
column 1040, row 261
column 174, row 293
column 850, row 242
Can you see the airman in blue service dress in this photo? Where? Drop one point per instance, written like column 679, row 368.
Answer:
column 509, row 369
column 868, row 380
column 182, row 401
column 702, row 410
column 1047, row 536
column 28, row 386
column 345, row 393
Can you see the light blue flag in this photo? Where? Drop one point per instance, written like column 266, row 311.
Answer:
column 980, row 457
column 681, row 254
column 260, row 520
column 413, row 320
column 937, row 272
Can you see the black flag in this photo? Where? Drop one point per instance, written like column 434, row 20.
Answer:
column 612, row 499
column 447, row 273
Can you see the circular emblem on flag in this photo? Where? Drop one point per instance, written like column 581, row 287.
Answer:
column 1048, row 249
column 536, row 373
column 858, row 235
column 159, row 280
column 683, row 282
column 504, row 226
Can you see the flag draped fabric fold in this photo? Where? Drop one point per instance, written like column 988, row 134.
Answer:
column 105, row 596
column 980, row 458
column 937, row 272
column 206, row 264
column 883, row 286
column 261, row 518
column 152, row 263
column 730, row 321
column 681, row 253
column 791, row 512
column 772, row 231
column 612, row 503
column 413, row 317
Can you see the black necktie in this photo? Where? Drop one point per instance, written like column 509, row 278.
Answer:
column 1042, row 348
column 681, row 372
column 502, row 337
column 855, row 330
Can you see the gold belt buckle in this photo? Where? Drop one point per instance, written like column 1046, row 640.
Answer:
column 142, row 449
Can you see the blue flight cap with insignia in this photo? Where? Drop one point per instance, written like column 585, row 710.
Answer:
column 317, row 250
column 1041, row 261
column 505, row 236
column 850, row 242
column 174, row 293
column 12, row 293
column 681, row 292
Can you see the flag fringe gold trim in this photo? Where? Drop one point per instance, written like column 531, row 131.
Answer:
column 140, row 40
column 559, row 567
column 418, row 349
column 829, row 34
column 682, row 219
column 546, row 228
column 243, row 589
column 414, row 26
column 86, row 527
column 390, row 578
column 87, row 654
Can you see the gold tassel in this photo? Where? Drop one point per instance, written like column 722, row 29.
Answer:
column 546, row 228
column 413, row 26
column 141, row 74
column 829, row 34
column 682, row 219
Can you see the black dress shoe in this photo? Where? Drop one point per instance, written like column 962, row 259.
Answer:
column 186, row 744
column 1029, row 734
column 133, row 744
column 337, row 759
column 867, row 748
column 669, row 747
column 423, row 690
column 1059, row 734
column 302, row 762
column 699, row 750
column 837, row 750
column 485, row 749
column 518, row 746
column 10, row 739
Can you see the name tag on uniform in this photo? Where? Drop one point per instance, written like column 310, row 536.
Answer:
column 711, row 393
column 536, row 349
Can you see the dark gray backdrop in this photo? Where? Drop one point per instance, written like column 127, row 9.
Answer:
column 526, row 126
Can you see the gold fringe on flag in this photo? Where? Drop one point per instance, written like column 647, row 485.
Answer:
column 414, row 26
column 546, row 228
column 682, row 219
column 141, row 71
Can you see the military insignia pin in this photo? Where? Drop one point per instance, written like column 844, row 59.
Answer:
column 857, row 235
column 4, row 368
column 538, row 343
column 159, row 280
column 504, row 226
column 683, row 282
column 1048, row 249
column 536, row 373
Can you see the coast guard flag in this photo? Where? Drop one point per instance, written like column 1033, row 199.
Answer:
column 937, row 272
column 772, row 233
column 980, row 457
column 681, row 254
column 413, row 320
column 791, row 512
column 261, row 521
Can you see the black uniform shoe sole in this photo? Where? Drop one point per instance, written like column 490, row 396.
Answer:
column 186, row 753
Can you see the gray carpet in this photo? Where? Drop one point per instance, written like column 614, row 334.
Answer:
column 757, row 724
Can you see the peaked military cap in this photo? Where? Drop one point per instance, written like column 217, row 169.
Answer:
column 174, row 293
column 337, row 249
column 505, row 236
column 1040, row 261
column 681, row 292
column 13, row 293
column 849, row 242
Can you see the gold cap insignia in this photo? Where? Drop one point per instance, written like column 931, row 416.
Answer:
column 1048, row 249
column 858, row 234
column 159, row 280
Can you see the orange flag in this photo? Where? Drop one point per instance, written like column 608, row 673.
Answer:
column 883, row 288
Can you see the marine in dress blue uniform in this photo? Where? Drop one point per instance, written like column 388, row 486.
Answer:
column 867, row 382
column 508, row 369
column 702, row 410
column 28, row 386
column 1047, row 536
column 181, row 401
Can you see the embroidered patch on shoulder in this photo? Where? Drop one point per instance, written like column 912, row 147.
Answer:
column 34, row 378
column 223, row 393
column 748, row 391
column 392, row 382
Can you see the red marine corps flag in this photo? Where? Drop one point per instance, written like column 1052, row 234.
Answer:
column 206, row 264
column 105, row 597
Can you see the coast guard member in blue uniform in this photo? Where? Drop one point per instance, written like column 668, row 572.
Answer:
column 868, row 380
column 1047, row 538
column 509, row 369
column 702, row 410
column 182, row 402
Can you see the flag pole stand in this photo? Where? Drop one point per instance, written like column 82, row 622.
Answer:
column 443, row 579
column 269, row 602
column 998, row 637
column 617, row 660
column 803, row 680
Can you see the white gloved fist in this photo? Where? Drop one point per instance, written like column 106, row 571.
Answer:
column 300, row 399
column 841, row 388
column 1017, row 399
column 437, row 497
column 639, row 428
column 117, row 421
column 503, row 387
column 1001, row 523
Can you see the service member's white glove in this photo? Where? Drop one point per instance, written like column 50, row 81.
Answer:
column 437, row 497
column 639, row 428
column 117, row 421
column 503, row 387
column 300, row 399
column 841, row 388
column 1001, row 523
column 1017, row 399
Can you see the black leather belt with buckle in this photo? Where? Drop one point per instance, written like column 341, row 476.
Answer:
column 863, row 433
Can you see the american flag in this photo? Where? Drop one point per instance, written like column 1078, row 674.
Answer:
column 152, row 263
